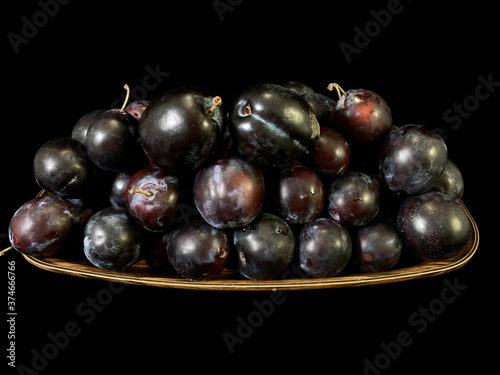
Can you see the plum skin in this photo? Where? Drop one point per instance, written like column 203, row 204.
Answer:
column 197, row 250
column 433, row 225
column 264, row 248
column 325, row 248
column 159, row 210
column 332, row 155
column 272, row 125
column 112, row 239
column 412, row 158
column 301, row 195
column 177, row 134
column 111, row 140
column 376, row 247
column 62, row 167
column 43, row 225
column 365, row 118
column 353, row 199
column 229, row 193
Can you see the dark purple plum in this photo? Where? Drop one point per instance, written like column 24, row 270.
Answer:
column 376, row 247
column 264, row 248
column 79, row 131
column 62, row 167
column 272, row 125
column 433, row 225
column 362, row 117
column 118, row 189
column 181, row 129
column 198, row 251
column 155, row 252
column 137, row 108
column 332, row 155
column 112, row 141
column 322, row 107
column 300, row 195
column 412, row 159
column 450, row 182
column 112, row 240
column 324, row 248
column 298, row 87
column 229, row 193
column 353, row 199
column 42, row 226
column 153, row 198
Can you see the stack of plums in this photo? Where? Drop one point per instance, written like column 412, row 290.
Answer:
column 280, row 177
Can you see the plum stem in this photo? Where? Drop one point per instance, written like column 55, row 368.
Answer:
column 126, row 97
column 217, row 101
column 5, row 250
column 135, row 191
column 336, row 86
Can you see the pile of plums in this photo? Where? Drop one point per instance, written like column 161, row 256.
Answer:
column 286, row 177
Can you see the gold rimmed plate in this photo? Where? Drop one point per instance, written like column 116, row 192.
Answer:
column 230, row 280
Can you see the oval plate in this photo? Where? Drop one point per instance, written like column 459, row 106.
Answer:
column 230, row 280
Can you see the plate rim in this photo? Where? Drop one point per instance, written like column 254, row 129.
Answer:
column 429, row 269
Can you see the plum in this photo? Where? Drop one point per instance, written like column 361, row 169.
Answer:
column 376, row 247
column 178, row 131
column 325, row 248
column 272, row 125
column 300, row 195
column 362, row 117
column 112, row 240
column 331, row 156
column 412, row 158
column 322, row 107
column 433, row 225
column 353, row 199
column 264, row 248
column 229, row 193
column 62, row 167
column 451, row 181
column 42, row 226
column 112, row 141
column 153, row 198
column 197, row 250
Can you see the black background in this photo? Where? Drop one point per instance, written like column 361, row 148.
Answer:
column 428, row 57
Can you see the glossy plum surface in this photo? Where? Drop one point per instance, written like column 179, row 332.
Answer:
column 42, row 226
column 112, row 240
column 353, row 199
column 298, row 87
column 300, row 195
column 322, row 107
column 62, row 167
column 118, row 189
column 331, row 156
column 198, row 251
column 112, row 140
column 264, row 248
column 137, row 108
column 324, row 248
column 376, row 247
column 79, row 131
column 153, row 198
column 451, row 181
column 229, row 193
column 365, row 118
column 272, row 125
column 412, row 158
column 176, row 132
column 433, row 225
